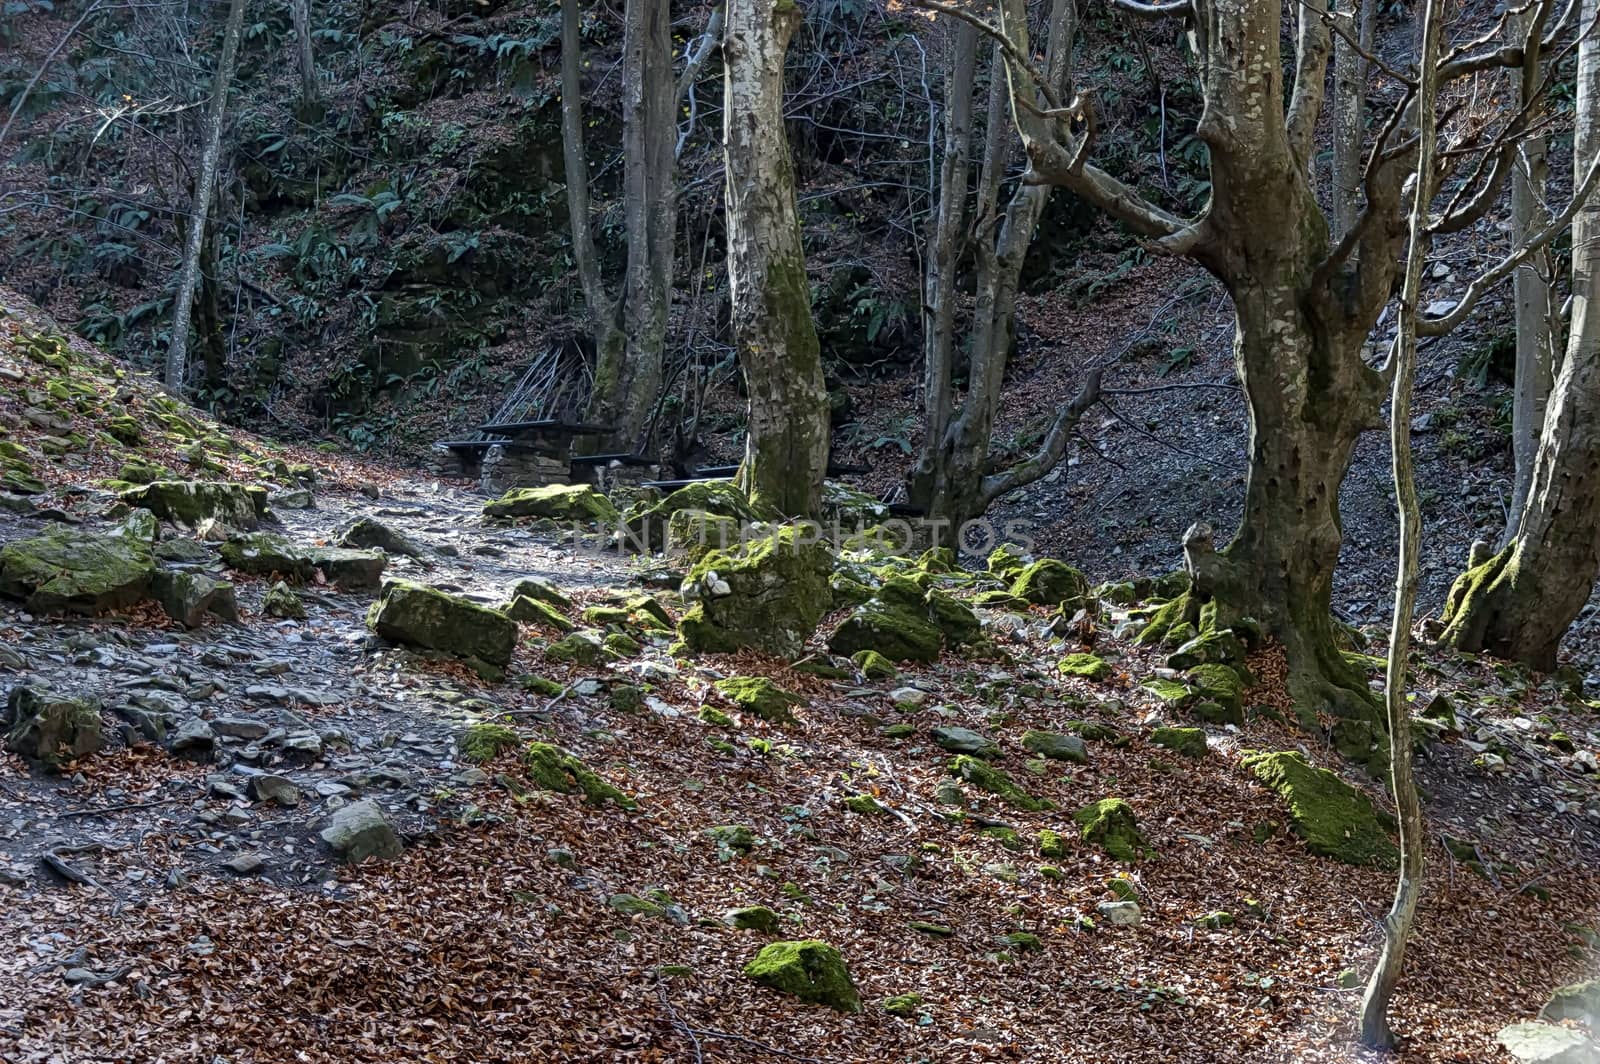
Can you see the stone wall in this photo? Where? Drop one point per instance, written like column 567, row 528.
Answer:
column 524, row 466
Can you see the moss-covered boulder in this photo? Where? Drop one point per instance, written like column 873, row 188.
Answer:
column 66, row 569
column 282, row 602
column 810, row 970
column 486, row 741
column 645, row 527
column 760, row 696
column 368, row 533
column 191, row 503
column 266, row 554
column 425, row 617
column 1049, row 582
column 541, row 590
column 1190, row 742
column 559, row 502
column 897, row 622
column 1006, row 563
column 189, row 597
column 768, row 595
column 986, row 777
column 692, row 534
column 1221, row 684
column 525, row 610
column 1056, row 745
column 1086, row 666
column 586, row 647
column 138, row 471
column 752, row 918
column 349, row 568
column 873, row 665
column 953, row 617
column 1111, row 825
column 1335, row 819
column 1217, row 647
column 554, row 769
column 50, row 729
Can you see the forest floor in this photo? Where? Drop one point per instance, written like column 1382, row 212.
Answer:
column 526, row 925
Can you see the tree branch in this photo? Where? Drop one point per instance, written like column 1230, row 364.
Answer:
column 1050, row 450
column 1312, row 48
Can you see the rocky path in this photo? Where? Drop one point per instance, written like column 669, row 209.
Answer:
column 270, row 726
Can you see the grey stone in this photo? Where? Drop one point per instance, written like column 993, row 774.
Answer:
column 963, row 741
column 239, row 728
column 1056, row 746
column 1120, row 913
column 1545, row 1043
column 275, row 789
column 49, row 728
column 246, row 864
column 194, row 738
column 359, row 831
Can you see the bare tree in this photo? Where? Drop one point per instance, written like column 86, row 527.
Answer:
column 300, row 15
column 952, row 478
column 1304, row 302
column 786, row 453
column 1374, row 1027
column 205, row 186
column 630, row 329
column 1520, row 602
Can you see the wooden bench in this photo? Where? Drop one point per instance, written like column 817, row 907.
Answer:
column 607, row 459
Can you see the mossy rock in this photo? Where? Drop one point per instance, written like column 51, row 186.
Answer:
column 347, row 567
column 1335, row 819
column 733, row 838
column 51, row 729
column 607, row 617
column 265, row 554
column 1111, row 825
column 578, row 648
column 692, row 534
column 752, row 918
column 866, row 805
column 760, row 696
column 281, row 601
column 426, row 617
column 486, row 741
column 874, row 666
column 65, row 569
column 1052, row 845
column 1190, row 742
column 999, row 600
column 1221, row 684
column 1213, row 648
column 189, row 597
column 558, row 502
column 541, row 590
column 1049, row 582
column 1088, row 666
column 645, row 527
column 903, row 1005
column 368, row 533
column 1173, row 693
column 525, row 610
column 1056, row 746
column 810, row 970
column 1006, row 562
column 191, row 503
column 986, row 777
column 768, row 596
column 953, row 617
column 553, row 769
column 137, row 471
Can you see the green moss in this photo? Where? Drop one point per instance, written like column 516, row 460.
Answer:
column 902, row 1005
column 1111, row 825
column 578, row 648
column 1051, row 844
column 1335, row 819
column 733, row 838
column 525, row 610
column 760, row 696
column 953, row 617
column 769, row 595
column 1049, row 582
column 811, row 970
column 51, row 729
column 995, row 781
column 281, row 601
column 540, row 590
column 622, row 645
column 715, row 717
column 753, row 918
column 865, row 804
column 426, row 617
column 1022, row 941
column 1171, row 692
column 625, row 698
column 265, row 554
column 540, row 685
column 559, row 502
column 554, row 769
column 1190, row 742
column 485, row 741
column 607, row 616
column 1005, row 836
column 1221, row 684
column 192, row 502
column 1006, row 562
column 1088, row 666
column 64, row 569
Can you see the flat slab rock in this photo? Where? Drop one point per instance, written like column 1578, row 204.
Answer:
column 1546, row 1043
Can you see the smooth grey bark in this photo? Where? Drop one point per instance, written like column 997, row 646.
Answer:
column 205, row 185
column 1519, row 603
column 1536, row 327
column 952, row 479
column 300, row 15
column 945, row 244
column 1357, row 18
column 786, row 452
column 1374, row 1029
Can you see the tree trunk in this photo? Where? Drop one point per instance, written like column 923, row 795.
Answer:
column 1374, row 1027
column 944, row 255
column 786, row 454
column 300, row 14
column 1349, row 99
column 957, row 486
column 628, row 384
column 205, row 183
column 208, row 315
column 1520, row 602
column 1535, row 326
